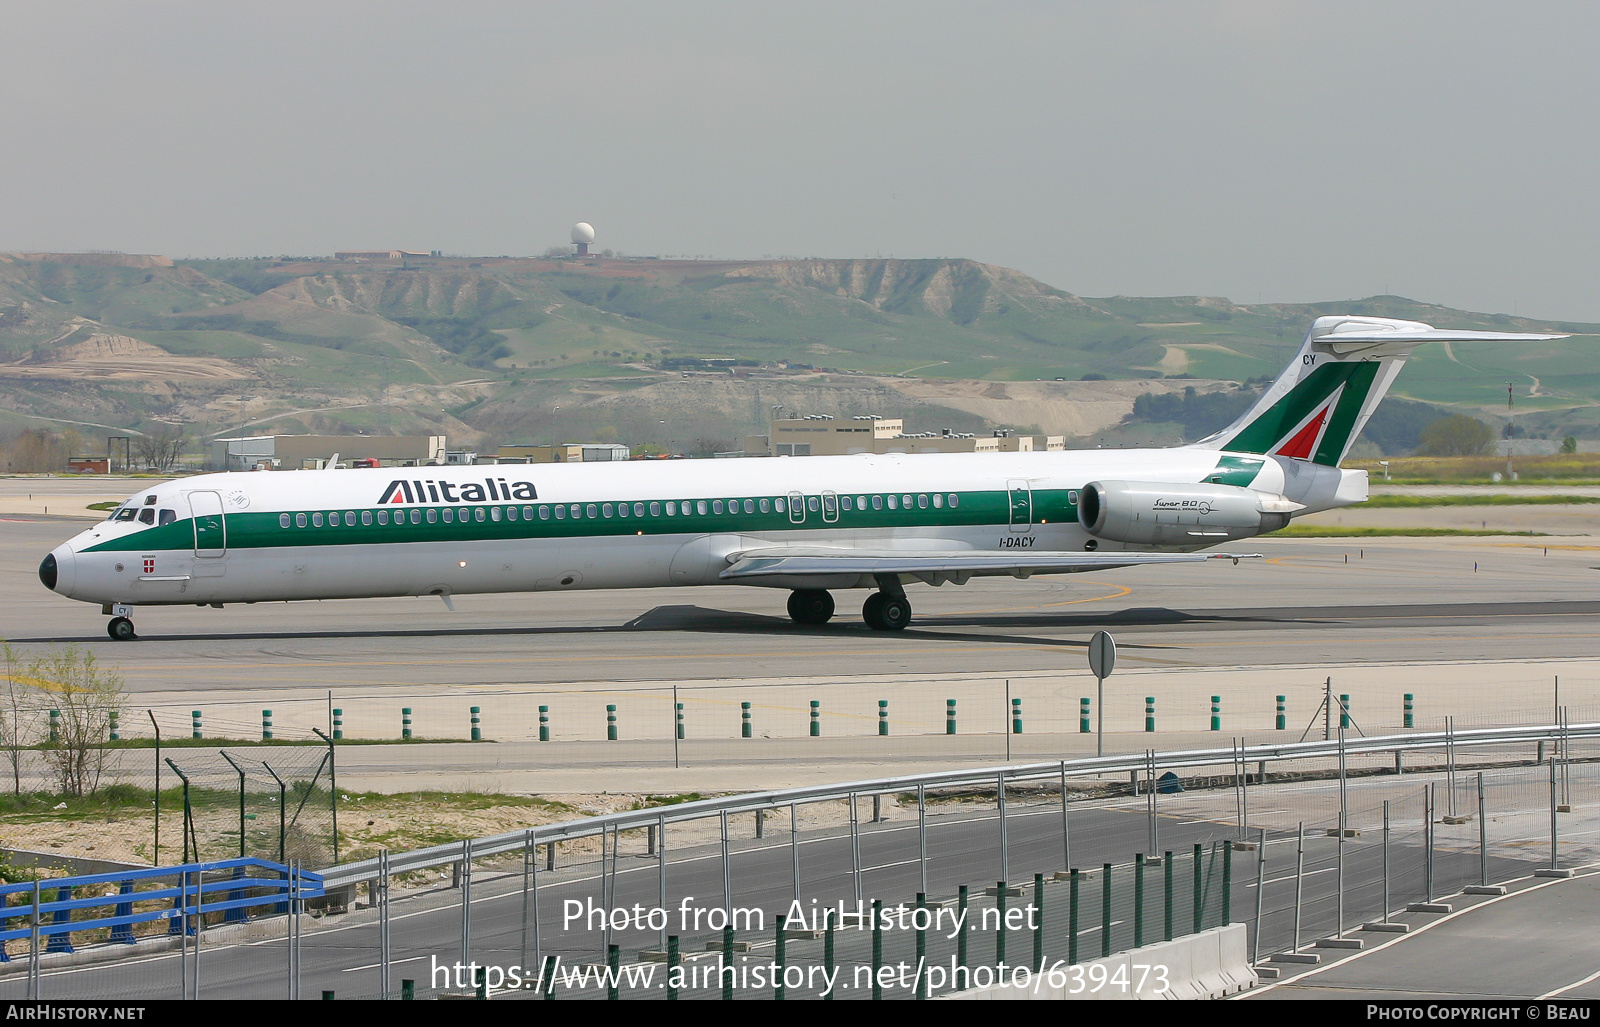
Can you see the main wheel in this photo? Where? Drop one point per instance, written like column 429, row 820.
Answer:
column 121, row 629
column 810, row 606
column 894, row 614
column 872, row 611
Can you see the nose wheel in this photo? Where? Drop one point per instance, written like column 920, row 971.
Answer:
column 121, row 629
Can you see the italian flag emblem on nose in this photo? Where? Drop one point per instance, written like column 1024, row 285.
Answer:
column 149, row 565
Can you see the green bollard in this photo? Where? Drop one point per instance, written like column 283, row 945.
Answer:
column 672, row 965
column 1166, row 866
column 961, row 938
column 544, row 723
column 744, row 720
column 408, row 989
column 679, row 715
column 949, row 716
column 338, row 724
column 816, row 719
column 611, row 722
column 1149, row 713
column 613, row 957
column 1105, row 910
column 548, row 976
column 266, row 725
column 1016, row 716
column 1000, row 934
column 1227, row 883
column 112, row 726
column 1216, row 713
column 477, row 731
column 1283, row 721
column 883, row 716
column 1344, row 712
column 405, row 722
column 877, row 949
column 480, row 986
column 194, row 724
column 1038, row 920
column 727, row 960
column 1199, row 907
column 327, row 996
column 1083, row 715
column 1410, row 721
column 1072, row 918
column 1138, row 899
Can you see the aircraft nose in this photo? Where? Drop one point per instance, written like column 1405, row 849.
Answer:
column 56, row 570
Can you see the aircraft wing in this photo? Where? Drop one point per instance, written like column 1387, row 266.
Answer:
column 938, row 567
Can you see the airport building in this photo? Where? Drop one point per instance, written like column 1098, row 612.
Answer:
column 295, row 452
column 825, row 435
column 576, row 452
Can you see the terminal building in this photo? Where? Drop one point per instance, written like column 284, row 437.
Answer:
column 825, row 435
column 565, row 453
column 297, row 452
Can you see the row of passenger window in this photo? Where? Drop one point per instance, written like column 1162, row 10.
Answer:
column 577, row 511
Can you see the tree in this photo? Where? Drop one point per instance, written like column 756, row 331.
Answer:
column 1569, row 445
column 161, row 447
column 73, row 683
column 1456, row 435
column 18, row 722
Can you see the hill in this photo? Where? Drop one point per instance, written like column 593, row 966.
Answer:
column 511, row 349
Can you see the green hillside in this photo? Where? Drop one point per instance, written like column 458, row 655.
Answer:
column 493, row 346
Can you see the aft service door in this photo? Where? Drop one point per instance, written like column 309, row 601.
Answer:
column 210, row 526
column 1021, row 494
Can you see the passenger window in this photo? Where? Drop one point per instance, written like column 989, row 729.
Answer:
column 494, row 513
column 544, row 513
column 845, row 502
column 605, row 511
column 922, row 502
column 147, row 516
column 622, row 509
column 955, row 500
column 672, row 509
column 561, row 513
column 383, row 517
column 905, row 501
column 416, row 517
column 749, row 506
column 861, row 502
column 765, row 506
column 366, row 518
column 893, row 504
column 590, row 511
column 511, row 513
column 716, row 506
column 877, row 502
column 938, row 500
column 527, row 513
column 1072, row 497
column 283, row 520
column 349, row 518
column 477, row 514
column 812, row 504
column 432, row 515
column 316, row 519
column 638, row 509
column 655, row 509
column 777, row 504
column 449, row 515
column 300, row 520
column 700, row 508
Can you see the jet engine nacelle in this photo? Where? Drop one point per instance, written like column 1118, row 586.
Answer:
column 1168, row 514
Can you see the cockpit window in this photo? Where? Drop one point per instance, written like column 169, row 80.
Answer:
column 168, row 516
column 147, row 515
column 127, row 513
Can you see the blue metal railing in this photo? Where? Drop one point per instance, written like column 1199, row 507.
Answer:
column 188, row 897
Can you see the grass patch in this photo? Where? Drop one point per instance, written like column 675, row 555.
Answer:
column 1316, row 531
column 1379, row 502
column 1428, row 470
column 652, row 801
column 109, row 505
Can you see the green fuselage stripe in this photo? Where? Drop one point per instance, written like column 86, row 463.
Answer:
column 264, row 530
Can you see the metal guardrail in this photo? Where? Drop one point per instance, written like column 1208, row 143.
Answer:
column 749, row 802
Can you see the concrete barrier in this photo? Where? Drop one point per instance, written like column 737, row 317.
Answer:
column 1211, row 964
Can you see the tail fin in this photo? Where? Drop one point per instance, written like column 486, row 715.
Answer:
column 1322, row 400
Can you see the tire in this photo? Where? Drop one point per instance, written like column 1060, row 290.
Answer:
column 810, row 606
column 872, row 611
column 121, row 629
column 894, row 614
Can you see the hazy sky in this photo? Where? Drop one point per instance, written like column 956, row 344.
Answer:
column 1274, row 151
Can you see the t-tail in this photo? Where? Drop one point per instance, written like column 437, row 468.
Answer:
column 1322, row 400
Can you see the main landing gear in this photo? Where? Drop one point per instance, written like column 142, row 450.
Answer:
column 121, row 629
column 885, row 610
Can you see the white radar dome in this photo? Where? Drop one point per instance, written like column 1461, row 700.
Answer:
column 583, row 232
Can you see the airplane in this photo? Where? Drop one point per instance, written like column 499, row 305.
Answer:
column 813, row 525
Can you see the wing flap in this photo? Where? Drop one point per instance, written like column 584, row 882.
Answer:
column 956, row 565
